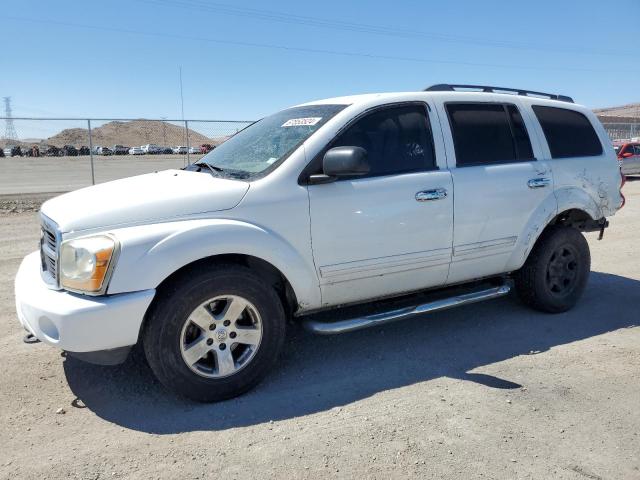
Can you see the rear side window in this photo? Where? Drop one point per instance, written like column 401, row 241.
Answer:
column 568, row 133
column 520, row 135
column 397, row 140
column 488, row 133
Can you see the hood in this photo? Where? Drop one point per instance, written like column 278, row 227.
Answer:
column 144, row 199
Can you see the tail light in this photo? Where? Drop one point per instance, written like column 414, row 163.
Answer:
column 623, row 180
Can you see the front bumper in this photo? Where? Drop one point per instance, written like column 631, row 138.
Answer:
column 73, row 322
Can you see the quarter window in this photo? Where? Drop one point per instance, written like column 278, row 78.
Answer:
column 568, row 133
column 520, row 135
column 488, row 133
column 397, row 140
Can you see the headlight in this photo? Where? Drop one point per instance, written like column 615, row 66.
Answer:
column 84, row 263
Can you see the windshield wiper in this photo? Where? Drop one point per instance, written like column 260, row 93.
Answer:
column 219, row 170
column 215, row 170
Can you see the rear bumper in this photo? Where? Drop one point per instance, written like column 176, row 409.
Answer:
column 77, row 323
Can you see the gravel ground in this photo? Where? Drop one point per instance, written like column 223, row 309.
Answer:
column 492, row 390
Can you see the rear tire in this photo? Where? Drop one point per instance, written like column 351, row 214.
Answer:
column 555, row 274
column 214, row 333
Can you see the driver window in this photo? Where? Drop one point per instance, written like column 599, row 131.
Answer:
column 397, row 140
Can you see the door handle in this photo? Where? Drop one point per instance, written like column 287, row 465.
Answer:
column 539, row 182
column 428, row 195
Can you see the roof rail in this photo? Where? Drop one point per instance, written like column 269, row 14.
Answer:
column 445, row 87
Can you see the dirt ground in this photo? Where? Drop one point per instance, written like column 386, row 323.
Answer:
column 492, row 390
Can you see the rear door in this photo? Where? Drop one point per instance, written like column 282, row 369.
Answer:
column 391, row 230
column 498, row 183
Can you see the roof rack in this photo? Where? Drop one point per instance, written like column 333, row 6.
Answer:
column 445, row 87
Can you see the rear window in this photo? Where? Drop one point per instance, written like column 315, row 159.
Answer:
column 568, row 133
column 488, row 133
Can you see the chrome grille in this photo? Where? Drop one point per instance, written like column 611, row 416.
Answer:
column 49, row 250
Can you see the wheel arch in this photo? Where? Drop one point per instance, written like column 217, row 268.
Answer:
column 572, row 207
column 152, row 254
column 266, row 270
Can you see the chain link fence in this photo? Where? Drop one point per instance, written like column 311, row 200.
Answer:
column 623, row 132
column 63, row 154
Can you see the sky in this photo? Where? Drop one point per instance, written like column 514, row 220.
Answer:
column 246, row 59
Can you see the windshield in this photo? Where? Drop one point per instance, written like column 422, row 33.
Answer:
column 266, row 142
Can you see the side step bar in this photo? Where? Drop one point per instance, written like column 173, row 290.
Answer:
column 358, row 323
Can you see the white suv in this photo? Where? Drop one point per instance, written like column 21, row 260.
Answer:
column 390, row 197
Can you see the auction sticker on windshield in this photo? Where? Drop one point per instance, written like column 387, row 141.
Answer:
column 300, row 122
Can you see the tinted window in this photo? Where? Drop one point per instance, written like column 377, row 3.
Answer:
column 569, row 133
column 486, row 133
column 520, row 135
column 397, row 140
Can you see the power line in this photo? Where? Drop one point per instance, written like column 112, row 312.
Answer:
column 282, row 17
column 10, row 129
column 311, row 50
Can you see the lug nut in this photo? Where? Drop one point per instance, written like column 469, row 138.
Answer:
column 209, row 341
column 222, row 346
column 232, row 334
column 226, row 323
column 212, row 326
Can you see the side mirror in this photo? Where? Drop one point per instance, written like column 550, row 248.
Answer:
column 342, row 162
column 624, row 155
column 345, row 161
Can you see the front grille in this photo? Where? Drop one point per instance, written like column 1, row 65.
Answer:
column 49, row 250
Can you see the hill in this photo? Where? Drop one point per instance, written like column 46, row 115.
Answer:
column 131, row 133
column 624, row 113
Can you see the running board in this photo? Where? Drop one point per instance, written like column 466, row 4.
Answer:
column 358, row 323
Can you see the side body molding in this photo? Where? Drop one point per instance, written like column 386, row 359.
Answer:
column 150, row 253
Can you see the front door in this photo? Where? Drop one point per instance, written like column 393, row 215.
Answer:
column 391, row 230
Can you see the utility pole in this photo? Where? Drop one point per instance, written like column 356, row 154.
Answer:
column 164, row 131
column 186, row 124
column 10, row 129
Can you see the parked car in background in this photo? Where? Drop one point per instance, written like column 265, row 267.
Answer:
column 1, row 152
column 136, row 151
column 629, row 158
column 194, row 150
column 206, row 148
column 167, row 150
column 32, row 151
column 84, row 150
column 52, row 151
column 180, row 149
column 104, row 151
column 69, row 151
column 12, row 151
column 120, row 150
column 151, row 149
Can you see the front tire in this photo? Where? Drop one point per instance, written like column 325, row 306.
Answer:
column 214, row 333
column 555, row 274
